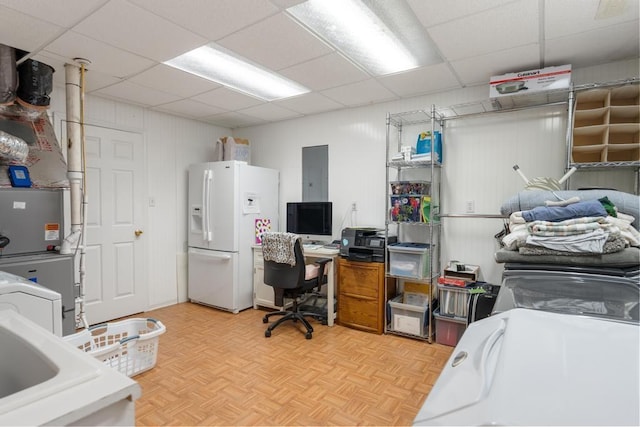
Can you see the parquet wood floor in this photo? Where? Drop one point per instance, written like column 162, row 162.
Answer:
column 217, row 368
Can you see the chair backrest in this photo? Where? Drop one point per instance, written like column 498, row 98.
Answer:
column 284, row 275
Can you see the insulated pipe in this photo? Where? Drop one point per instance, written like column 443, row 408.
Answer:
column 75, row 172
column 85, row 199
column 74, row 144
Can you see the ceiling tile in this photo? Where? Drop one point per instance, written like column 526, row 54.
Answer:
column 95, row 80
column 211, row 20
column 227, row 99
column 438, row 11
column 285, row 4
column 614, row 43
column 137, row 94
column 276, row 43
column 480, row 69
column 138, row 31
column 325, row 72
column 38, row 34
column 103, row 57
column 435, row 78
column 366, row 92
column 189, row 108
column 309, row 103
column 582, row 15
column 269, row 111
column 515, row 24
column 64, row 13
column 172, row 80
column 233, row 120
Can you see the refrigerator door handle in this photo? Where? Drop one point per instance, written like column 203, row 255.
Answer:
column 206, row 190
column 221, row 257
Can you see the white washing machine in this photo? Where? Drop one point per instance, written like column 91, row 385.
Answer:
column 532, row 367
column 37, row 303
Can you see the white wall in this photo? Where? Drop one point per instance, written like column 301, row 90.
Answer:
column 479, row 154
column 171, row 145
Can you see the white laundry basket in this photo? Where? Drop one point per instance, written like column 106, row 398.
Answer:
column 130, row 346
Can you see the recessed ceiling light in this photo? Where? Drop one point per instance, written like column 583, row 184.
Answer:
column 215, row 63
column 382, row 37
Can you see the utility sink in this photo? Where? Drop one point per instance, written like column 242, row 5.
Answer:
column 44, row 380
column 21, row 365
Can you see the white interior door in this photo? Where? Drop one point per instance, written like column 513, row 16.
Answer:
column 116, row 277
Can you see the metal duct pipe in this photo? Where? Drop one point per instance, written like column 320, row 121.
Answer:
column 8, row 75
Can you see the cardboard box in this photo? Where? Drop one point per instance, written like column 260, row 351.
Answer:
column 530, row 81
column 469, row 274
column 229, row 148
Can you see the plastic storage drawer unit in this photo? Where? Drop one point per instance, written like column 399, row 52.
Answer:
column 409, row 260
column 408, row 318
column 448, row 330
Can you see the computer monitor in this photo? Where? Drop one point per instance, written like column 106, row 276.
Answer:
column 311, row 220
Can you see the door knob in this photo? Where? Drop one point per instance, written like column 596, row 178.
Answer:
column 138, row 233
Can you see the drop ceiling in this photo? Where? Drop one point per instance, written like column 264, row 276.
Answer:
column 127, row 42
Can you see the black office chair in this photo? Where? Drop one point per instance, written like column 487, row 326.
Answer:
column 285, row 270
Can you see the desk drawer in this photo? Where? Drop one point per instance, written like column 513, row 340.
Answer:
column 358, row 278
column 360, row 313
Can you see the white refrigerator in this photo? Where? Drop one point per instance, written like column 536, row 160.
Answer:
column 230, row 204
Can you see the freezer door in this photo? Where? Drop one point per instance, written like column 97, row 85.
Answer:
column 213, row 206
column 213, row 278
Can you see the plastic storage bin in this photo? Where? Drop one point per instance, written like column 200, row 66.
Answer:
column 408, row 318
column 448, row 330
column 406, row 208
column 130, row 346
column 410, row 187
column 454, row 301
column 409, row 260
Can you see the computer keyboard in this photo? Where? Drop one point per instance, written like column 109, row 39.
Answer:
column 311, row 246
column 331, row 246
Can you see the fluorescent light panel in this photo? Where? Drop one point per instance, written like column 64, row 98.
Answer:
column 382, row 36
column 215, row 63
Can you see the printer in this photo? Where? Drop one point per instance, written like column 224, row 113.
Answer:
column 364, row 244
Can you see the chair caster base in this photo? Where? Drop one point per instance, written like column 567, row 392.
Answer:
column 267, row 334
column 308, row 335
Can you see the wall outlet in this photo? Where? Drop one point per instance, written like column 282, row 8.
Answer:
column 354, row 207
column 471, row 206
column 152, row 202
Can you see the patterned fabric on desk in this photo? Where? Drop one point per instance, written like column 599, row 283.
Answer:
column 279, row 247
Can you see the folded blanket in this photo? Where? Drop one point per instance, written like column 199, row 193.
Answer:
column 529, row 199
column 623, row 222
column 614, row 245
column 566, row 228
column 589, row 208
column 591, row 242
